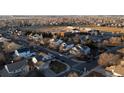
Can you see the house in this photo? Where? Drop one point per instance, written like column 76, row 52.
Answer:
column 24, row 52
column 46, row 57
column 69, row 47
column 2, row 39
column 74, row 51
column 79, row 50
column 15, row 69
column 84, row 49
column 54, row 44
column 36, row 37
column 58, row 42
column 94, row 32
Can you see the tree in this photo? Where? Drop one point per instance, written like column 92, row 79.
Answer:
column 108, row 59
column 2, row 59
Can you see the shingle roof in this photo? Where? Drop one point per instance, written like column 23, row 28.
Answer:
column 15, row 66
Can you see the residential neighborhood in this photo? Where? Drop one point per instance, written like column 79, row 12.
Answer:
column 62, row 46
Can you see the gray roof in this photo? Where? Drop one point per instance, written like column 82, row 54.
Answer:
column 15, row 66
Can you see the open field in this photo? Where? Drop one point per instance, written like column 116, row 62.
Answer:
column 65, row 28
column 109, row 29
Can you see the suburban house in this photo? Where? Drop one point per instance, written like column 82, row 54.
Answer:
column 15, row 69
column 24, row 52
